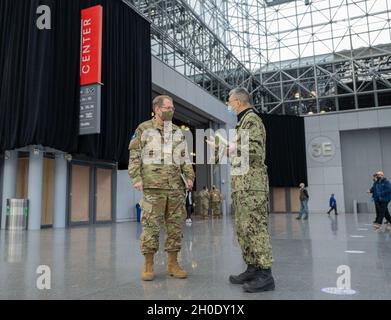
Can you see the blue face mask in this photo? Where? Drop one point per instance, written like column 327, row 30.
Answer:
column 231, row 110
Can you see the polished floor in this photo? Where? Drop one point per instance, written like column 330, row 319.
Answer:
column 103, row 262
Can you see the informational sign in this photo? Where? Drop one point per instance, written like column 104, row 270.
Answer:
column 91, row 70
column 91, row 45
column 90, row 109
column 321, row 149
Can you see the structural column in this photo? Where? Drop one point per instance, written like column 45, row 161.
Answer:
column 9, row 182
column 60, row 192
column 35, row 188
column 225, row 176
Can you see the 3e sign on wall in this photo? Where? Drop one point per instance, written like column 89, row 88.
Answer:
column 321, row 149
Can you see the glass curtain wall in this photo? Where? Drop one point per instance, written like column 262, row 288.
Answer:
column 295, row 56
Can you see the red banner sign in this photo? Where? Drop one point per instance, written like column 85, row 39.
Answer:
column 91, row 45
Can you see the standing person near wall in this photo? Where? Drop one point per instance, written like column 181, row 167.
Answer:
column 215, row 199
column 383, row 198
column 155, row 170
column 332, row 204
column 204, row 198
column 304, row 197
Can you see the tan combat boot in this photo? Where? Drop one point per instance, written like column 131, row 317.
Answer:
column 147, row 274
column 173, row 268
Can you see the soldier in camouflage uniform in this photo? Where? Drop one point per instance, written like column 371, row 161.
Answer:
column 250, row 189
column 157, row 158
column 204, row 198
column 215, row 199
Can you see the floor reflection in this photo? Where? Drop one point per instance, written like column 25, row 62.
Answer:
column 104, row 262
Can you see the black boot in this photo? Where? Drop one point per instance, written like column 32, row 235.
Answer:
column 247, row 275
column 263, row 282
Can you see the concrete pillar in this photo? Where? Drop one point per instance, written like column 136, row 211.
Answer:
column 35, row 189
column 9, row 182
column 60, row 192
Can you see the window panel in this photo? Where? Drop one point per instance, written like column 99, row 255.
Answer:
column 307, row 51
column 319, row 18
column 377, row 6
column 360, row 29
column 339, row 13
column 322, row 47
column 342, row 43
column 380, row 37
column 320, row 4
column 288, row 53
column 360, row 40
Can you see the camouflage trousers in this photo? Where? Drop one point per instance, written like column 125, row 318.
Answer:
column 204, row 209
column 162, row 207
column 216, row 208
column 251, row 223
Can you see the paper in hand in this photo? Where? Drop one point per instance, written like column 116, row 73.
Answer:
column 184, row 180
column 219, row 138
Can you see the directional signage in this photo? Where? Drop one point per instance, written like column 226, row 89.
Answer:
column 90, row 109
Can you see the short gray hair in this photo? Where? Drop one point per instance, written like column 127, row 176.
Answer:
column 159, row 101
column 242, row 95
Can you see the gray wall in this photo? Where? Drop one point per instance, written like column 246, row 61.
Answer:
column 364, row 152
column 325, row 175
column 167, row 80
column 127, row 198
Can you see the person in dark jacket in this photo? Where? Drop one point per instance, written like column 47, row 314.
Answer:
column 333, row 205
column 303, row 202
column 373, row 192
column 382, row 199
column 189, row 206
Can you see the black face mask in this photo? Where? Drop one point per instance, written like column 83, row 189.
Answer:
column 378, row 178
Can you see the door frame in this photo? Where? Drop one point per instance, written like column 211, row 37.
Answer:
column 113, row 168
column 69, row 197
column 93, row 166
column 52, row 156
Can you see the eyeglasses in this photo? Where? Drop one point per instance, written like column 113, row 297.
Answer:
column 168, row 108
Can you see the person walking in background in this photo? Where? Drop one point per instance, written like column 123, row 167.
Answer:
column 373, row 192
column 383, row 198
column 332, row 204
column 189, row 207
column 303, row 202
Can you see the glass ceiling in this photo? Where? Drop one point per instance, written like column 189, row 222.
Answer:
column 294, row 56
column 260, row 32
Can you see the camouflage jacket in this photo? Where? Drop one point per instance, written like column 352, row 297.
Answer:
column 154, row 155
column 254, row 176
column 204, row 196
column 215, row 196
